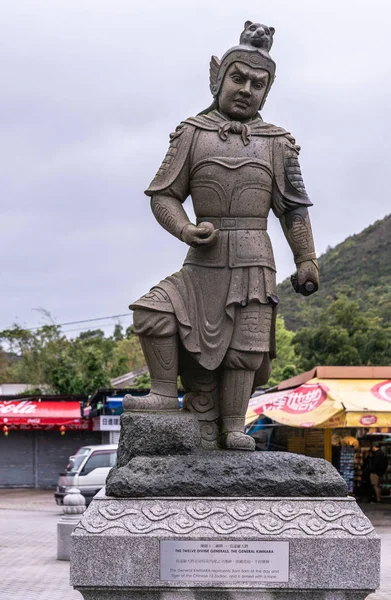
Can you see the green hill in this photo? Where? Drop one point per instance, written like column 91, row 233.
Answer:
column 358, row 268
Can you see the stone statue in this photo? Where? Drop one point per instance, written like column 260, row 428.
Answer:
column 212, row 322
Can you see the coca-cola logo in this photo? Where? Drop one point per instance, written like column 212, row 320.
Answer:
column 303, row 399
column 382, row 390
column 26, row 407
column 368, row 420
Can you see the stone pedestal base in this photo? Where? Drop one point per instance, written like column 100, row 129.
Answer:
column 221, row 594
column 224, row 549
column 73, row 508
column 65, row 528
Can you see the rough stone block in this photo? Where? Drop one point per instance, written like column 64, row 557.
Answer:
column 226, row 473
column 161, row 434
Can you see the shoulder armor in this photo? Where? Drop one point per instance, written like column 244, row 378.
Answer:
column 180, row 143
column 292, row 168
column 287, row 171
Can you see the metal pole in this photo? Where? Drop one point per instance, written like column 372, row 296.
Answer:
column 327, row 444
column 35, row 458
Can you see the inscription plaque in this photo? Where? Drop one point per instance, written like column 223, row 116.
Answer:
column 235, row 561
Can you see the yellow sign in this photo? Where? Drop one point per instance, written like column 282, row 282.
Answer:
column 328, row 403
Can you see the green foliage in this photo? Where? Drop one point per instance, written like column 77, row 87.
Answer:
column 48, row 360
column 118, row 333
column 344, row 337
column 126, row 356
column 358, row 269
column 284, row 366
column 82, row 366
column 4, row 366
column 143, row 381
column 37, row 352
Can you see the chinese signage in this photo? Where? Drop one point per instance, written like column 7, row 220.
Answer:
column 303, row 399
column 106, row 423
column 328, row 403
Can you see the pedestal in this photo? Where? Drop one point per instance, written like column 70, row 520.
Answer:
column 224, row 548
column 73, row 507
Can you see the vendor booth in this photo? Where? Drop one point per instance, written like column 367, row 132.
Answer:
column 332, row 412
column 37, row 436
column 28, row 414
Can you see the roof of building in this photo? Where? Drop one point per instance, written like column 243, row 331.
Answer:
column 332, row 372
column 128, row 379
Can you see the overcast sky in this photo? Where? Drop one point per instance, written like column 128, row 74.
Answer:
column 92, row 88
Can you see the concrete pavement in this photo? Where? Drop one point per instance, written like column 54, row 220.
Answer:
column 28, row 548
column 380, row 515
column 29, row 569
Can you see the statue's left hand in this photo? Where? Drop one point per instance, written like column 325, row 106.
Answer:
column 306, row 280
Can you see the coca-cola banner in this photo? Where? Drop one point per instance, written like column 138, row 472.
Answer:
column 37, row 414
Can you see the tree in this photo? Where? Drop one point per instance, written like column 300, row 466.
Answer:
column 344, row 337
column 82, row 366
column 36, row 352
column 127, row 356
column 48, row 360
column 118, row 334
column 143, row 382
column 4, row 367
column 285, row 365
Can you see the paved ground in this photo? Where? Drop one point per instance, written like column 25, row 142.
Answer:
column 28, row 548
column 380, row 515
column 28, row 566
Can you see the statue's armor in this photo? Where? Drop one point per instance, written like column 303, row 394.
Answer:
column 213, row 321
column 229, row 184
column 235, row 174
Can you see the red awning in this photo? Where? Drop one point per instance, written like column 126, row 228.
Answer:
column 35, row 414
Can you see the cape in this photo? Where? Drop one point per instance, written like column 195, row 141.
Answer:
column 214, row 120
column 181, row 140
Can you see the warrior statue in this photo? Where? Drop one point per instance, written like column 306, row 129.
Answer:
column 212, row 322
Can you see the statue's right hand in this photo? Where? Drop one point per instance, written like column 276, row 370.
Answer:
column 203, row 234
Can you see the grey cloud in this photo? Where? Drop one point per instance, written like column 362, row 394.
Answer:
column 90, row 92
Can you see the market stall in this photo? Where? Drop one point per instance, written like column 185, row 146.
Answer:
column 37, row 436
column 36, row 413
column 353, row 403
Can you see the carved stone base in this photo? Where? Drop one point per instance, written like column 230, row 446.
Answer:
column 152, row 548
column 219, row 594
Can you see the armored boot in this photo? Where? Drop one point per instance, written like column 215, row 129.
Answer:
column 161, row 354
column 235, row 391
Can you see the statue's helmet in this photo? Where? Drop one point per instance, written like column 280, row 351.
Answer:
column 256, row 58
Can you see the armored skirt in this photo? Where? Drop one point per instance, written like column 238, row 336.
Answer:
column 238, row 312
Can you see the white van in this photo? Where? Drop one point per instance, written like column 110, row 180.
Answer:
column 87, row 470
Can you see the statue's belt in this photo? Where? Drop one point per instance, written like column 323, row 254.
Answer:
column 232, row 223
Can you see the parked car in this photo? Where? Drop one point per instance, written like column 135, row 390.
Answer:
column 87, row 470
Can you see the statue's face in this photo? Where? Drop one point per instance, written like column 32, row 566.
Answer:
column 242, row 91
